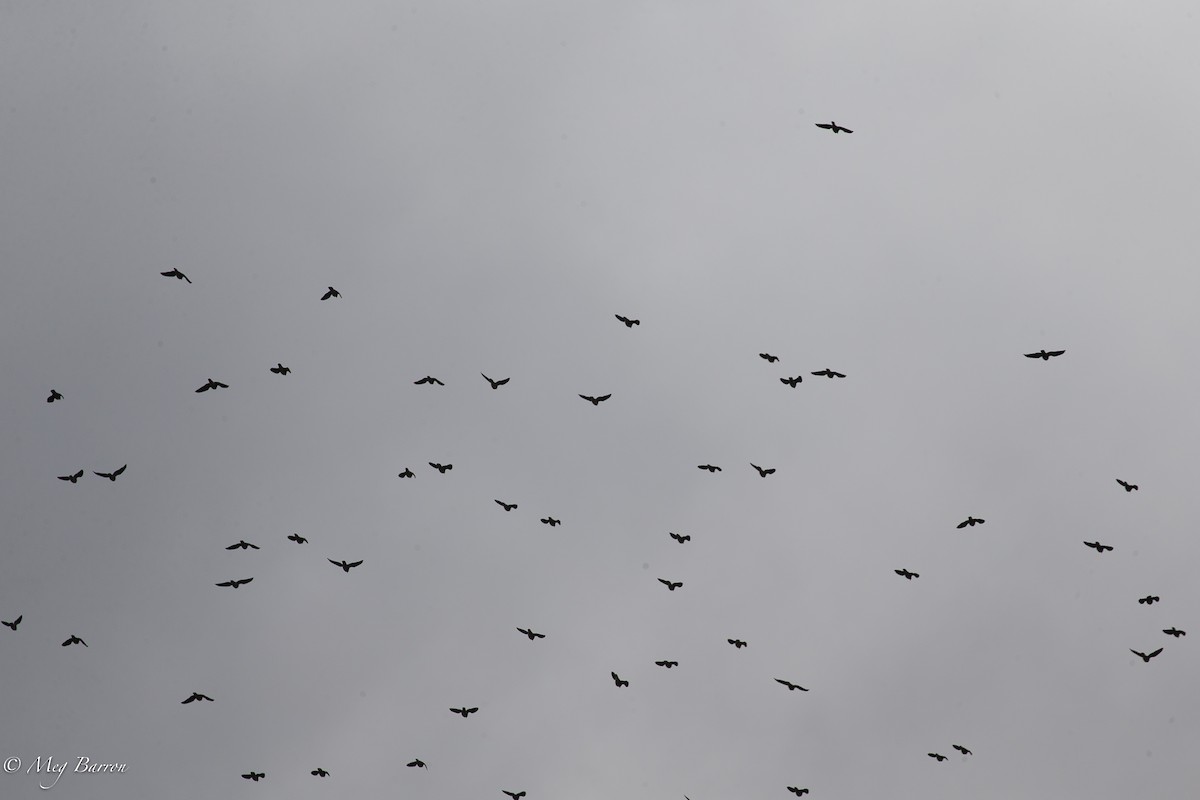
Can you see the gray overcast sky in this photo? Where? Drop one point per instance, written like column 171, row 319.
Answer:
column 487, row 184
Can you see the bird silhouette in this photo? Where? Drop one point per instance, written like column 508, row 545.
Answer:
column 464, row 711
column 1045, row 355
column 243, row 545
column 112, row 476
column 234, row 584
column 671, row 586
column 629, row 323
column 441, row 467
column 345, row 567
column 280, row 369
column 429, row 379
column 737, row 643
column 297, row 538
column 938, row 756
column 53, row 396
column 72, row 478
column 529, row 632
column 1099, row 548
column 596, row 400
column 833, row 126
column 961, row 749
column 762, row 473
column 514, row 795
column 1168, row 631
column 319, row 772
column 212, row 385
column 74, row 640
column 506, row 506
column 617, row 680
column 972, row 521
column 254, row 776
column 1146, row 657
column 828, row 373
column 791, row 686
column 711, row 469
column 331, row 293
column 14, row 623
column 797, row 792
column 196, row 696
column 176, row 274
column 495, row 384
column 667, row 664
column 416, row 762
column 770, row 359
column 906, row 574
column 408, row 473
column 1129, row 487
column 681, row 537
column 551, row 521
column 792, row 381
column 1149, row 599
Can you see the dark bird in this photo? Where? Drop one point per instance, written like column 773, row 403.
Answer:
column 551, row 521
column 529, row 632
column 792, row 381
column 738, row 643
column 906, row 574
column 345, row 567
column 833, row 126
column 408, row 473
column 791, row 686
column 770, row 359
column 176, row 274
column 797, row 792
column 495, row 384
column 1168, row 631
column 506, row 506
column 212, row 385
column 196, row 696
column 616, row 679
column 681, row 537
column 254, row 776
column 234, row 584
column 331, row 293
column 1146, row 657
column 961, row 749
column 297, row 538
column 667, row 664
column 464, row 711
column 1045, row 355
column 53, row 396
column 671, row 586
column 828, row 373
column 1149, row 599
column 938, row 756
column 629, row 323
column 321, row 773
column 244, row 545
column 416, row 762
column 112, row 476
column 708, row 467
column 441, row 467
column 596, row 400
column 762, row 473
column 1099, row 548
column 429, row 379
column 514, row 795
column 972, row 521
column 281, row 369
column 1129, row 487
column 14, row 623
column 72, row 478
column 74, row 640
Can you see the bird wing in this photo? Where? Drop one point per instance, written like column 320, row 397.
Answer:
column 664, row 581
column 356, row 563
column 502, row 381
column 233, row 546
column 602, row 398
column 245, row 580
column 1156, row 652
column 585, row 397
column 1033, row 355
column 824, row 125
column 335, row 563
column 1055, row 352
column 119, row 471
column 203, row 388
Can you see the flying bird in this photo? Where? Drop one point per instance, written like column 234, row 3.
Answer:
column 906, row 574
column 72, row 478
column 671, row 586
column 711, row 469
column 212, row 385
column 416, row 762
column 828, row 373
column 1045, row 355
column 1149, row 599
column 972, row 521
column 254, row 776
column 596, row 400
column 321, row 773
column 281, row 369
column 681, row 537
column 792, row 381
column 112, row 476
column 441, row 467
column 737, row 643
column 667, row 664
column 762, row 473
column 529, row 632
column 506, row 506
column 464, row 711
column 408, row 473
column 1129, row 487
column 17, row 622
column 1099, row 548
column 629, row 323
column 514, row 795
column 297, row 538
column 770, row 359
column 791, row 686
column 961, row 749
column 234, row 584
column 345, row 567
column 616, row 679
column 1168, row 631
column 244, row 545
column 797, row 792
column 74, row 640
column 429, row 379
column 176, row 274
column 551, row 521
column 196, row 696
column 331, row 293
column 833, row 126
column 53, row 396
column 495, row 384
column 1146, row 657
column 938, row 756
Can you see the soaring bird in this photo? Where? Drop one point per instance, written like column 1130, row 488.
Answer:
column 629, row 323
column 331, row 293
column 770, row 359
column 234, row 584
column 297, row 538
column 596, row 400
column 176, row 274
column 1129, row 487
column 1149, row 599
column 551, row 521
column 671, row 586
column 708, row 467
column 1168, row 631
column 617, row 679
column 254, row 776
column 17, row 622
column 972, row 521
column 797, row 792
column 961, row 749
column 74, row 640
column 53, row 396
column 833, row 126
column 506, row 506
column 530, row 633
column 1099, row 548
column 762, row 473
column 72, row 478
column 828, row 373
column 938, row 756
column 906, row 574
column 429, row 379
column 495, row 384
column 408, row 473
column 345, row 567
column 416, row 762
column 792, row 381
column 791, row 686
column 441, row 467
column 681, row 537
column 243, row 545
column 196, row 696
column 1146, row 657
column 212, row 385
column 737, row 643
column 281, row 369
column 464, row 711
column 319, row 772
column 112, row 476
column 514, row 795
column 1045, row 355
column 667, row 664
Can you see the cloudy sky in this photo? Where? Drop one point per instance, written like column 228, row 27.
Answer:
column 487, row 185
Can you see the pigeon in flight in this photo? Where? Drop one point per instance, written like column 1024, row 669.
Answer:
column 670, row 586
column 530, row 633
column 112, row 476
column 331, row 293
column 345, row 567
column 429, row 379
column 244, row 545
column 828, row 373
column 495, row 384
column 762, row 473
column 254, row 776
column 711, row 469
column 514, row 795
column 906, row 574
column 938, row 756
column 506, row 506
column 441, row 467
column 833, row 126
column 1168, row 631
column 320, row 772
column 1149, row 599
column 76, row 640
column 972, row 521
column 596, row 400
column 792, row 381
column 791, row 686
column 551, row 521
column 17, row 622
column 1099, row 548
column 176, row 274
column 281, row 369
column 797, row 792
column 234, row 584
column 770, row 359
column 72, row 478
column 737, row 643
column 961, row 749
column 408, row 473
column 464, row 711
column 617, row 680
column 681, row 537
column 1045, row 355
column 212, row 385
column 196, row 696
column 54, row 395
column 297, row 538
column 416, row 762
column 629, row 323
column 1129, row 487
column 667, row 664
column 1146, row 657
